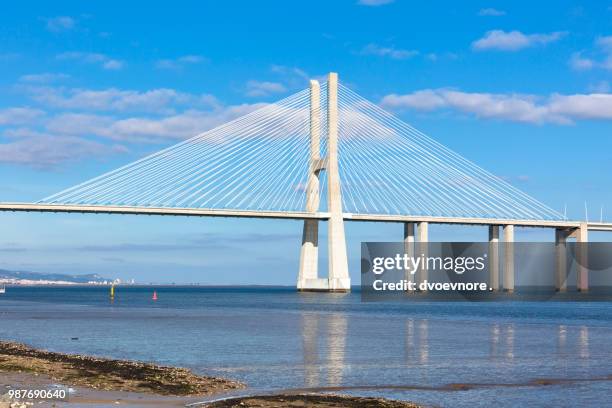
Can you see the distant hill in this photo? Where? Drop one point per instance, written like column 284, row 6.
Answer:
column 59, row 277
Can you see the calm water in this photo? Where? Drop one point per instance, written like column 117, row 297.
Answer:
column 275, row 338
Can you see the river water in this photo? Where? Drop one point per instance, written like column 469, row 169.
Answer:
column 507, row 353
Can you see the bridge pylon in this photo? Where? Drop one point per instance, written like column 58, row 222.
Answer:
column 338, row 276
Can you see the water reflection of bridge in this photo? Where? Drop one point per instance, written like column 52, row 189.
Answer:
column 324, row 344
column 328, row 357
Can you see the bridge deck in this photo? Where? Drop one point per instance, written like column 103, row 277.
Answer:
column 204, row 212
column 194, row 212
column 462, row 220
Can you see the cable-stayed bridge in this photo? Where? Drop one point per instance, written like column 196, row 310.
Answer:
column 322, row 154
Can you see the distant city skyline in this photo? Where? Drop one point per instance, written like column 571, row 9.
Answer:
column 523, row 90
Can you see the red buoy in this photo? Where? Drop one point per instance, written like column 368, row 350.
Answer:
column 154, row 295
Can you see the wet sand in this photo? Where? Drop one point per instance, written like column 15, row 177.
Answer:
column 309, row 400
column 97, row 382
column 89, row 397
column 92, row 398
column 109, row 374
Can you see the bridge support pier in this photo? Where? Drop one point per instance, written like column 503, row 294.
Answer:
column 409, row 247
column 308, row 277
column 561, row 259
column 422, row 250
column 582, row 271
column 509, row 258
column 494, row 257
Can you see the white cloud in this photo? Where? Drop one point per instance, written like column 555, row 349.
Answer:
column 81, row 124
column 112, row 65
column 60, row 23
column 426, row 100
column 161, row 100
column 147, row 130
column 289, row 71
column 18, row 116
column 68, row 137
column 433, row 57
column 292, row 77
column 512, row 107
column 102, row 60
column 601, row 56
column 391, row 52
column 47, row 139
column 585, row 106
column 43, row 78
column 21, row 133
column 179, row 62
column 263, row 88
column 491, row 12
column 556, row 108
column 374, row 3
column 514, row 40
column 578, row 62
column 45, row 150
column 605, row 42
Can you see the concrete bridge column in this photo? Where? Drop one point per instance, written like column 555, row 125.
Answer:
column 561, row 259
column 308, row 278
column 339, row 279
column 509, row 258
column 582, row 271
column 494, row 257
column 422, row 232
column 409, row 247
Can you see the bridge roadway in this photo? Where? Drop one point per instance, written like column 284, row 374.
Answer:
column 203, row 212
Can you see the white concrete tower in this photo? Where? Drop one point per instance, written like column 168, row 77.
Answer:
column 308, row 278
column 339, row 279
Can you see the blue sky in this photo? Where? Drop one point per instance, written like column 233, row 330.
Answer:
column 521, row 88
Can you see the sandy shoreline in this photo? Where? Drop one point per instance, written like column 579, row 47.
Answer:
column 89, row 397
column 92, row 398
column 110, row 374
column 98, row 382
